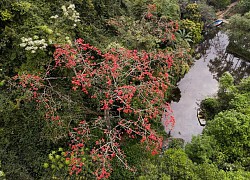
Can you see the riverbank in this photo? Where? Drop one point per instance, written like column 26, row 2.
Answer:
column 238, row 51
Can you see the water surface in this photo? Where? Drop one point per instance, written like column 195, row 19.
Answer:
column 202, row 81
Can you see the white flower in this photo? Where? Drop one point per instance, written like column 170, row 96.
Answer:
column 33, row 51
column 22, row 44
column 2, row 174
column 36, row 42
column 50, row 41
column 54, row 17
column 71, row 6
column 71, row 13
column 23, row 39
column 31, row 43
column 28, row 48
column 64, row 8
column 65, row 13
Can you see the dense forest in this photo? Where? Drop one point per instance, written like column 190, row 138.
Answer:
column 84, row 85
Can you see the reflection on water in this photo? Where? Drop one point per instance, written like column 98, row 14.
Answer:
column 202, row 81
column 225, row 62
column 239, row 69
column 176, row 95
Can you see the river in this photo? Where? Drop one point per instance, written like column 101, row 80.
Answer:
column 202, row 81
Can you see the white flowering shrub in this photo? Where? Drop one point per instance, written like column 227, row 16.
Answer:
column 54, row 32
column 70, row 13
column 2, row 174
column 33, row 44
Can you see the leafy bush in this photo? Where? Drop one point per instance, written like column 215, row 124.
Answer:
column 194, row 28
column 222, row 4
column 224, row 140
column 210, row 107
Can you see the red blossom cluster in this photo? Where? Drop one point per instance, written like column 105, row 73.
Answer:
column 35, row 88
column 29, row 82
column 151, row 10
column 161, row 27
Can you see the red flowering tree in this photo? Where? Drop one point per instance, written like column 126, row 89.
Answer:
column 126, row 90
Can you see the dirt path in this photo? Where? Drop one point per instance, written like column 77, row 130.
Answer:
column 221, row 14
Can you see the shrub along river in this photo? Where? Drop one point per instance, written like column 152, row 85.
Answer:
column 202, row 81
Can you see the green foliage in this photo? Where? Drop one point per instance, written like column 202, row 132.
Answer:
column 172, row 164
column 2, row 174
column 24, row 138
column 238, row 51
column 204, row 149
column 6, row 15
column 134, row 34
column 232, row 131
column 175, row 143
column 194, row 28
column 239, row 33
column 224, row 141
column 241, row 103
column 57, row 163
column 222, row 4
column 207, row 13
column 151, row 172
column 176, row 163
column 238, row 175
column 21, row 7
column 137, row 155
column 208, row 171
column 243, row 6
column 139, row 7
column 192, row 12
column 226, row 89
column 184, row 37
column 168, row 8
column 210, row 107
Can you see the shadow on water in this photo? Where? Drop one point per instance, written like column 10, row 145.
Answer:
column 226, row 62
column 202, row 81
column 176, row 95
